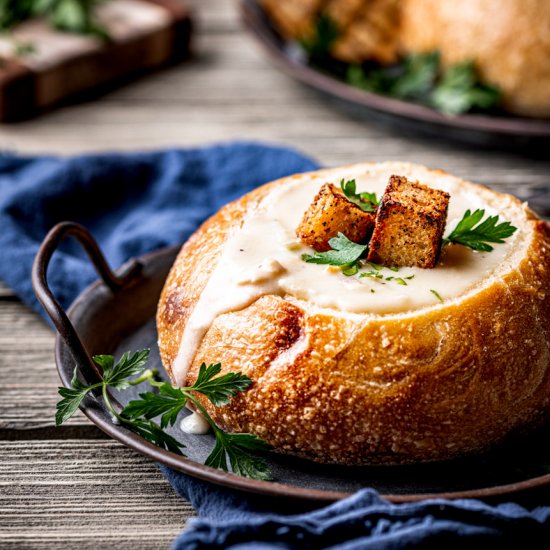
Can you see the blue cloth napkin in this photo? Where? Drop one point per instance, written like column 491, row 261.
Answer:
column 134, row 203
column 227, row 519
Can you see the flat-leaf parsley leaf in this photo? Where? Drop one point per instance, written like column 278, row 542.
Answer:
column 138, row 415
column 343, row 253
column 365, row 201
column 476, row 234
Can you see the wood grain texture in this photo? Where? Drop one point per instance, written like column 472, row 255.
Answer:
column 84, row 494
column 89, row 492
column 5, row 292
column 29, row 393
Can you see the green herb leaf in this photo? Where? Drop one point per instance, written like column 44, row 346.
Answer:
column 378, row 81
column 366, row 201
column 476, row 234
column 413, row 78
column 72, row 397
column 116, row 375
column 24, row 49
column 343, row 252
column 420, row 78
column 106, row 362
column 170, row 401
column 460, row 91
column 351, row 269
column 319, row 43
column 69, row 15
column 372, row 274
column 14, row 11
column 169, row 404
column 237, row 448
column 219, row 390
column 138, row 415
column 155, row 434
column 76, row 16
column 436, row 294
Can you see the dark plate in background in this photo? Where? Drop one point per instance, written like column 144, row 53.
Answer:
column 507, row 132
column 520, row 466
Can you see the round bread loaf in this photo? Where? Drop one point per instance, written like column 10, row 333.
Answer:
column 509, row 42
column 431, row 382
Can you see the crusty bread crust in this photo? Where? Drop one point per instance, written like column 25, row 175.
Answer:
column 509, row 42
column 366, row 28
column 375, row 389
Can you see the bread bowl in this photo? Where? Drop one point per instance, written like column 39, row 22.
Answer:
column 448, row 364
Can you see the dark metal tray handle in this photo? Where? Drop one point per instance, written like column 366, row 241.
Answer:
column 45, row 296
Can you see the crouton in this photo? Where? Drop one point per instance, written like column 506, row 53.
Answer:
column 409, row 225
column 331, row 213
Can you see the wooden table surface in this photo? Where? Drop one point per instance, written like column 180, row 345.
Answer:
column 72, row 487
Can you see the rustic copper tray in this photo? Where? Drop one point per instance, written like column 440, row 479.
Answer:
column 116, row 314
column 510, row 132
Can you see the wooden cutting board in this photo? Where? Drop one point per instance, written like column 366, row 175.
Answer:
column 145, row 34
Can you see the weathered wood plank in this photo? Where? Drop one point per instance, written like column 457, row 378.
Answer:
column 229, row 91
column 28, row 392
column 213, row 16
column 84, row 494
column 5, row 292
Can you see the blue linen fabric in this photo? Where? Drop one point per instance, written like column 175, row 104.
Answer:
column 132, row 204
column 135, row 203
column 227, row 519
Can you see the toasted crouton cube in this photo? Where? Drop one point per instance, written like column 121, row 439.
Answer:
column 331, row 213
column 409, row 225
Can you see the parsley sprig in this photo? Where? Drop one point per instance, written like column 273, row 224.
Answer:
column 138, row 415
column 348, row 256
column 413, row 78
column 365, row 201
column 343, row 253
column 459, row 90
column 76, row 16
column 471, row 231
column 421, row 78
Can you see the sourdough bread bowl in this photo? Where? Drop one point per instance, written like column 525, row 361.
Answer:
column 361, row 370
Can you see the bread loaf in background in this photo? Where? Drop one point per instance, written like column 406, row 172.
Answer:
column 508, row 40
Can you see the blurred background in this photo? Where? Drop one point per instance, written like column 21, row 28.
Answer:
column 327, row 78
column 229, row 89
